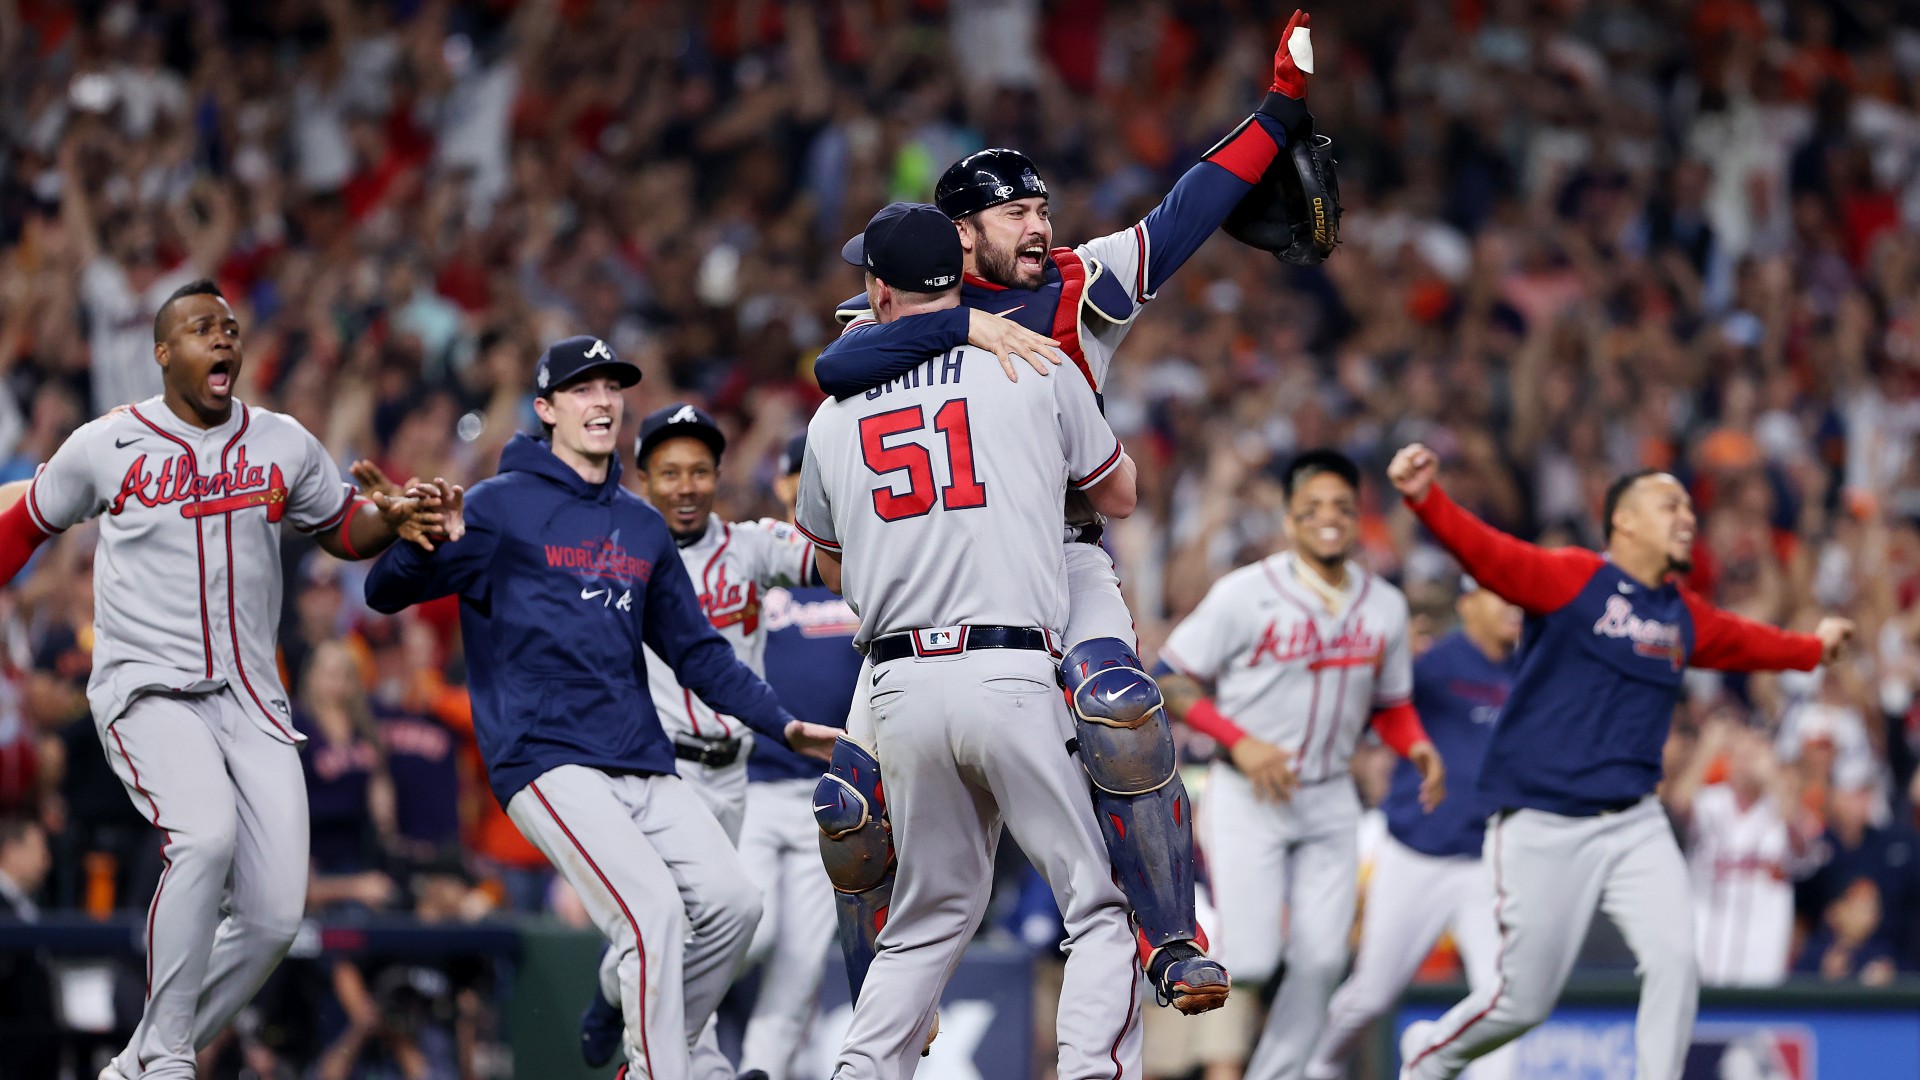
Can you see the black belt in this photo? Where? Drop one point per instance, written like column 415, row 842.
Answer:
column 714, row 755
column 917, row 642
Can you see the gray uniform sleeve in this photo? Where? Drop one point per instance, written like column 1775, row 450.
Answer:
column 1091, row 448
column 1201, row 645
column 1395, row 684
column 318, row 496
column 781, row 556
column 812, row 512
column 63, row 493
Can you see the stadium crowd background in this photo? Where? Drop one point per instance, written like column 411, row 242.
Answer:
column 1583, row 236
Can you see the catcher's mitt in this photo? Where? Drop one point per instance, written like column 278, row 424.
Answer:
column 1294, row 211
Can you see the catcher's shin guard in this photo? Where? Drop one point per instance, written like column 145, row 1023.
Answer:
column 1126, row 746
column 856, row 844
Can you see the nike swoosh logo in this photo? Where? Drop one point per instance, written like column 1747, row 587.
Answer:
column 877, row 676
column 585, row 595
column 817, row 809
column 1009, row 311
column 122, row 444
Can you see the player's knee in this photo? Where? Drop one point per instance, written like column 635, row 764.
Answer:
column 1322, row 962
column 210, row 844
column 1125, row 741
column 855, row 844
column 1671, row 959
column 732, row 902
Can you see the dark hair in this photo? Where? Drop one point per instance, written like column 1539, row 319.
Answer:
column 202, row 287
column 1310, row 463
column 14, row 828
column 1615, row 492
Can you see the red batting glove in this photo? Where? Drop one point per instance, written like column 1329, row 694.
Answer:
column 1293, row 60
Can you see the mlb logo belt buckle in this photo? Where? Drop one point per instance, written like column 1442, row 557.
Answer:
column 939, row 641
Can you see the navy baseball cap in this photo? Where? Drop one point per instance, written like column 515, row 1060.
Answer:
column 674, row 421
column 911, row 246
column 793, row 454
column 569, row 358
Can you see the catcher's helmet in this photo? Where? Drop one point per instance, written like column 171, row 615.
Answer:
column 986, row 179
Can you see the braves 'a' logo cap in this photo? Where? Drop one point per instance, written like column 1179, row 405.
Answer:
column 680, row 419
column 567, row 359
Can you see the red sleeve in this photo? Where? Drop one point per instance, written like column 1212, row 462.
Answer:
column 1206, row 718
column 1538, row 579
column 18, row 537
column 1399, row 727
column 1728, row 642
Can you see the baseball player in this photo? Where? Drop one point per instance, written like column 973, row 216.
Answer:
column 1570, row 772
column 1084, row 301
column 192, row 487
column 942, row 492
column 565, row 579
column 1427, row 875
column 1304, row 649
column 812, row 665
column 1744, row 848
column 677, row 457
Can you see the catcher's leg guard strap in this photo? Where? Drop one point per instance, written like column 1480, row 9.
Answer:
column 856, row 845
column 1145, row 816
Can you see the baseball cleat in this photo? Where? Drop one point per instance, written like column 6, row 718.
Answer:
column 1411, row 1042
column 1188, row 979
column 601, row 1028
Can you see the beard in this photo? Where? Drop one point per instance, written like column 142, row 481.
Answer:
column 1680, row 564
column 1001, row 266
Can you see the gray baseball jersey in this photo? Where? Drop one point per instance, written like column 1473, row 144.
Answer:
column 1289, row 671
column 187, row 579
column 731, row 565
column 949, row 535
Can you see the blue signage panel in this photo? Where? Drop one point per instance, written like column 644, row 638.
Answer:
column 1790, row 1043
column 986, row 1020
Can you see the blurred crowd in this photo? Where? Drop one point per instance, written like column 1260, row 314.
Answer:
column 1582, row 236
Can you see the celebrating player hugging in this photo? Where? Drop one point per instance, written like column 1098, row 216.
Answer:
column 962, row 593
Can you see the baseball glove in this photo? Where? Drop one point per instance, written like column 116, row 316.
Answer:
column 1294, row 211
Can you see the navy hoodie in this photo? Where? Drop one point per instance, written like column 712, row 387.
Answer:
column 561, row 583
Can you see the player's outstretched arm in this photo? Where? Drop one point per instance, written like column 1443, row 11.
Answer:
column 20, row 534
column 869, row 354
column 1726, row 642
column 1535, row 578
column 678, row 632
column 424, row 514
column 1266, row 766
column 1399, row 727
column 407, row 574
column 1143, row 258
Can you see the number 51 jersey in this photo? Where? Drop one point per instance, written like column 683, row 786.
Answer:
column 945, row 486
